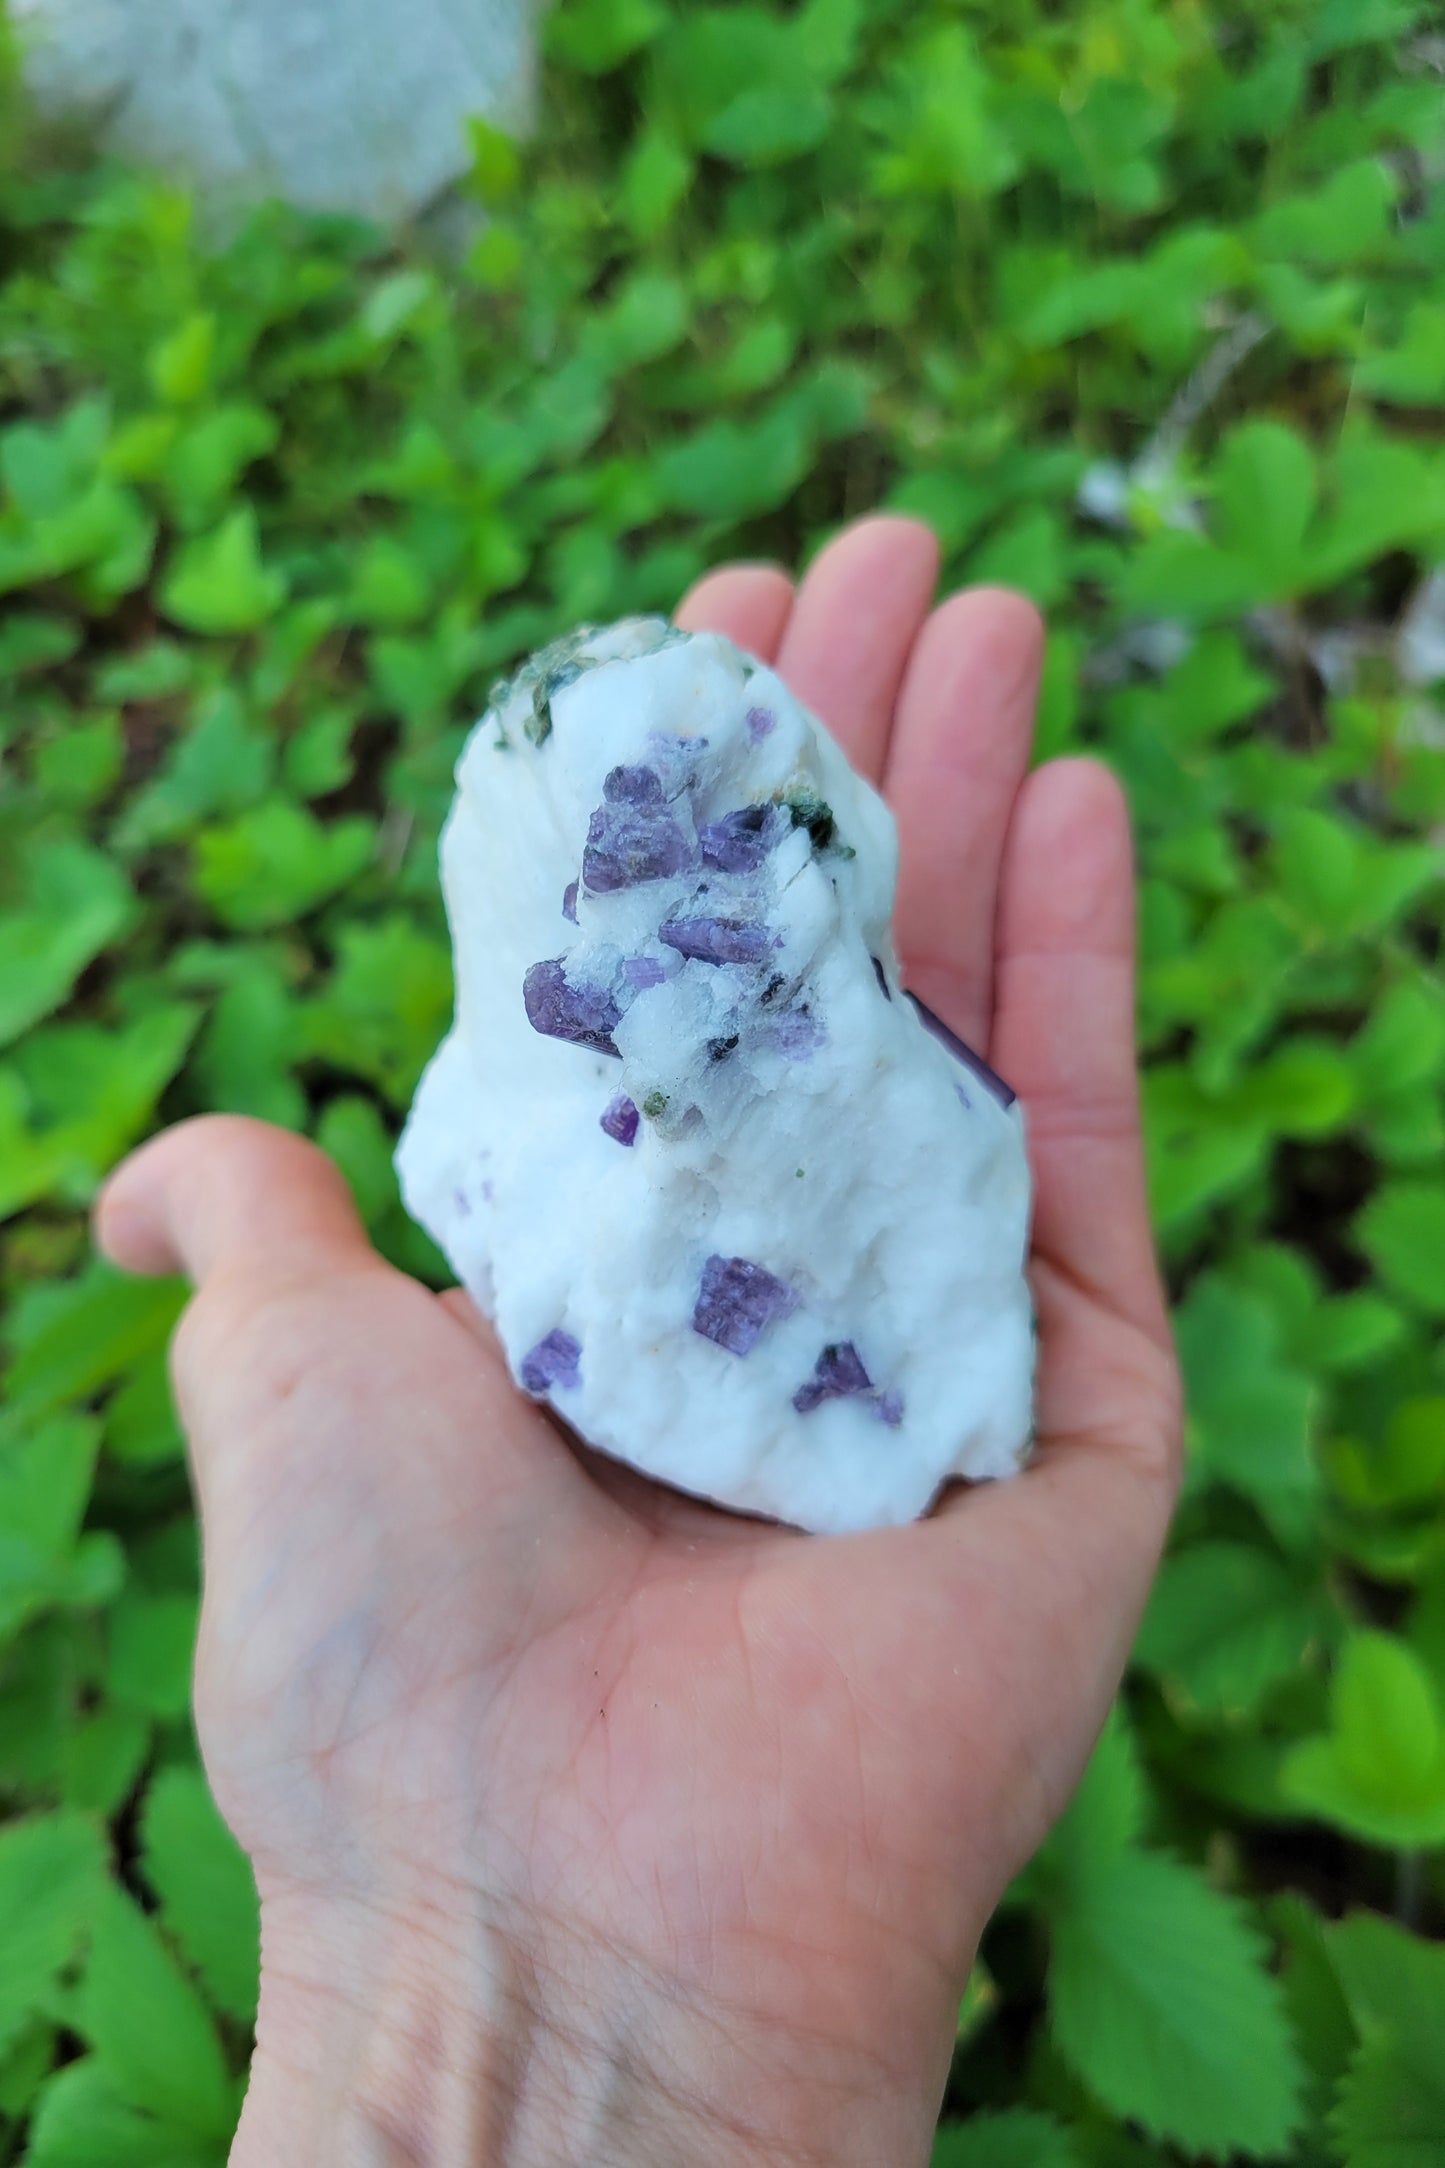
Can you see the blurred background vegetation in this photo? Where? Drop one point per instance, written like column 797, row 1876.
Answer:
column 1140, row 302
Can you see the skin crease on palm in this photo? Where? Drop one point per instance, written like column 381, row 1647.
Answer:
column 591, row 1823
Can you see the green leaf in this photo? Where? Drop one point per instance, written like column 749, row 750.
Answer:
column 1159, row 1998
column 1313, row 1998
column 103, row 1757
column 204, row 1883
column 276, row 863
column 44, row 1490
column 1340, row 221
column 1390, row 2112
column 1018, row 2138
column 1390, row 1977
column 152, row 1649
column 243, row 1063
column 646, row 318
column 1402, row 1231
column 729, row 471
column 92, row 1091
column 206, row 459
column 222, row 764
column 1379, row 1772
column 1411, row 372
column 83, row 2119
column 150, row 2030
column 397, row 302
column 384, row 1010
column 1404, row 1467
column 141, row 1430
column 31, row 641
column 944, row 134
column 770, row 122
column 596, row 36
column 45, row 1473
column 1251, row 1414
column 1106, row 1814
column 25, row 2066
column 390, row 587
column 82, row 767
column 180, row 367
column 94, row 1329
column 76, row 904
column 1401, row 1045
column 1226, row 1622
column 218, row 583
column 654, row 181
column 1306, row 1089
column 52, row 1871
column 496, row 163
column 1391, row 2107
column 319, row 758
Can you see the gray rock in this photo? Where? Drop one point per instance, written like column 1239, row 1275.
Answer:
column 335, row 105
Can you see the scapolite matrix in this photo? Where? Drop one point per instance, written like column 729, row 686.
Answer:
column 743, row 1213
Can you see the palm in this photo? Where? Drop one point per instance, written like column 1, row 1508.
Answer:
column 779, row 1773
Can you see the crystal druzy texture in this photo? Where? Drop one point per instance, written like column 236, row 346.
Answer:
column 744, row 1213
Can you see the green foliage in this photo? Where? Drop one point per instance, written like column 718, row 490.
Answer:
column 1138, row 304
column 1391, row 2111
column 1158, row 1995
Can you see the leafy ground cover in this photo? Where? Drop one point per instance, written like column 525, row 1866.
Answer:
column 1140, row 304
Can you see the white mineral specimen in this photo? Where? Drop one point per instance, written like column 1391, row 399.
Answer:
column 738, row 1214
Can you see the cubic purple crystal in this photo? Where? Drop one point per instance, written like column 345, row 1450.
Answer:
column 553, row 1361
column 975, row 1063
column 642, row 971
column 582, row 1015
column 737, row 1301
column 633, row 786
column 620, row 1119
column 837, row 1373
column 740, row 841
column 890, row 1407
column 632, row 837
column 761, row 724
column 717, row 940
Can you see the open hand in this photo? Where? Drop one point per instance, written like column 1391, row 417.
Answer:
column 590, row 1823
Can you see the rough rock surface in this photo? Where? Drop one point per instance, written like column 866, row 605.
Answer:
column 742, row 1213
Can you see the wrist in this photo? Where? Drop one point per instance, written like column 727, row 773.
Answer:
column 436, row 2037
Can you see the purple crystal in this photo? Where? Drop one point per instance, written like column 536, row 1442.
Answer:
column 582, row 1015
column 552, row 1361
column 798, row 1035
column 761, row 723
column 882, row 977
column 737, row 1301
column 890, row 1407
column 632, row 838
column 676, row 760
column 642, row 971
column 837, row 1373
column 620, row 1119
column 717, row 940
column 633, row 786
column 569, row 902
column 740, row 841
column 975, row 1063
